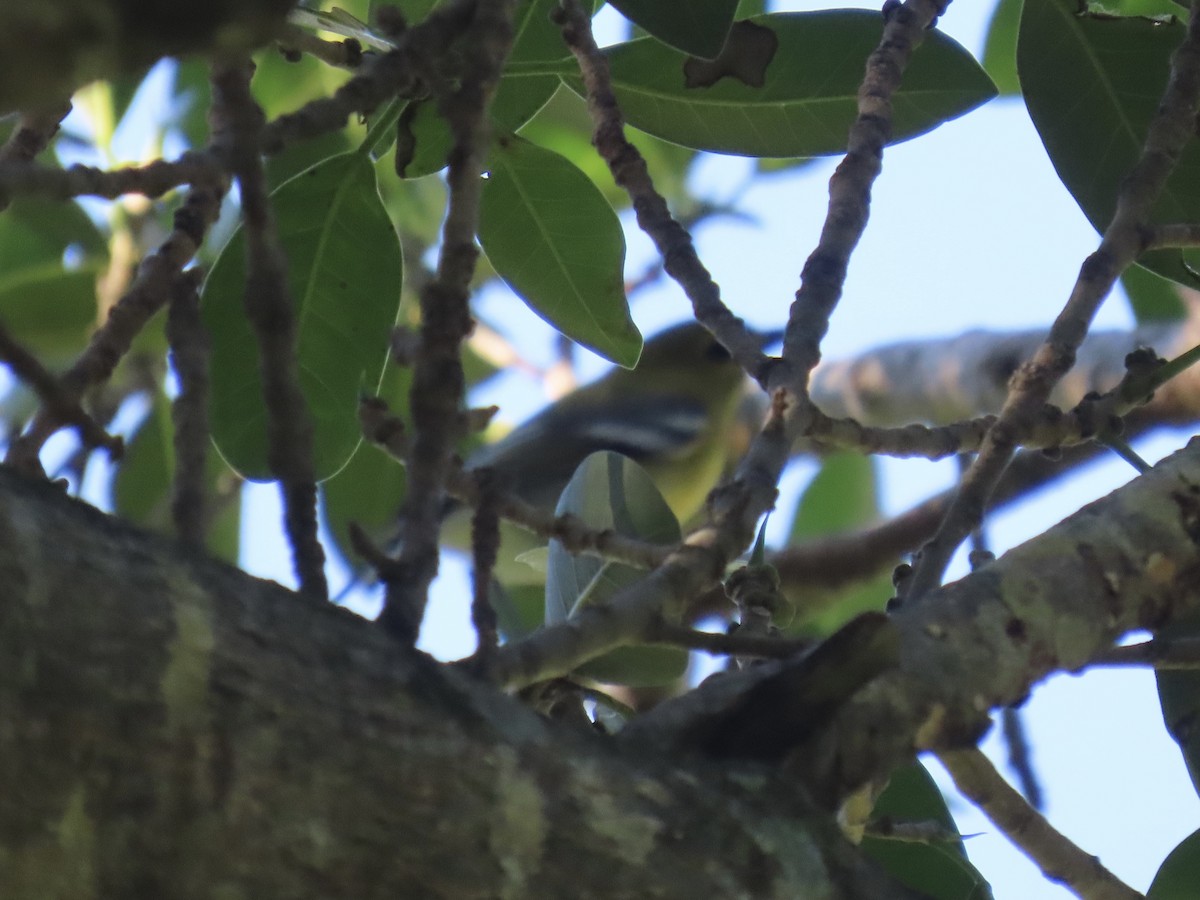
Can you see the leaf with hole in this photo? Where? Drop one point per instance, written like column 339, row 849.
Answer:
column 807, row 99
column 344, row 271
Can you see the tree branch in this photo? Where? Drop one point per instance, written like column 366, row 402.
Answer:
column 1060, row 860
column 311, row 757
column 1171, row 129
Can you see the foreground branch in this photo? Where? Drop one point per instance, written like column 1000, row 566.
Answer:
column 308, row 756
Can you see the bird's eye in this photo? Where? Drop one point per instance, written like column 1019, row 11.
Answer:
column 716, row 352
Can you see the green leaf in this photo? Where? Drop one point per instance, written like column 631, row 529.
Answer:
column 1153, row 298
column 807, row 98
column 698, row 27
column 610, row 491
column 1092, row 86
column 841, row 496
column 1179, row 696
column 518, row 607
column 1000, row 49
column 50, row 310
column 1149, row 8
column 414, row 10
column 46, row 304
column 344, row 269
column 141, row 489
column 520, row 98
column 1179, row 874
column 34, row 232
column 939, row 870
column 535, row 37
column 564, row 126
column 553, row 238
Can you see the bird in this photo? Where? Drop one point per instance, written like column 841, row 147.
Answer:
column 674, row 414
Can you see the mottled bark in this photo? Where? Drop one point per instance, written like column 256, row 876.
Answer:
column 172, row 728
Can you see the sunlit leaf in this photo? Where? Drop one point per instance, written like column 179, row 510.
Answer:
column 553, row 238
column 344, row 270
column 1000, row 49
column 807, row 100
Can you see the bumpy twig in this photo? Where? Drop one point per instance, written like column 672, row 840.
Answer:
column 147, row 295
column 189, row 344
column 32, row 135
column 824, row 271
column 59, row 403
column 671, row 238
column 154, row 179
column 438, row 381
column 237, row 125
column 1124, row 240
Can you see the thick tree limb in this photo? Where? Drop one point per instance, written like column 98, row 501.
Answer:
column 50, row 47
column 173, row 728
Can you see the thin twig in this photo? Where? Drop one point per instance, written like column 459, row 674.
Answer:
column 58, row 402
column 154, row 179
column 399, row 73
column 190, row 345
column 1175, row 235
column 485, row 546
column 824, row 272
column 33, row 134
column 733, row 644
column 1060, row 860
column 237, row 125
column 628, row 168
column 1160, row 653
column 147, row 295
column 734, row 508
column 388, row 433
column 1124, row 240
column 438, row 382
column 347, row 54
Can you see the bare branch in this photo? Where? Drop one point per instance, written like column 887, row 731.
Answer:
column 628, row 168
column 149, row 293
column 438, row 382
column 189, row 411
column 824, row 271
column 1173, row 126
column 237, row 127
column 1060, row 860
column 61, row 404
